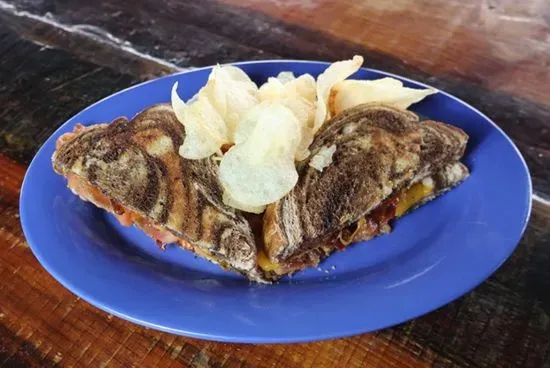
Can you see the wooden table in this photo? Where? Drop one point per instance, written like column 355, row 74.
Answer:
column 58, row 57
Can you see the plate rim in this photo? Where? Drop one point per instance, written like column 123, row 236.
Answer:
column 261, row 339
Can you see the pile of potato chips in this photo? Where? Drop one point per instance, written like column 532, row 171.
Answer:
column 269, row 128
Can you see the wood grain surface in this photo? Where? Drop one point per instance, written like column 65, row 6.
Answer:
column 57, row 57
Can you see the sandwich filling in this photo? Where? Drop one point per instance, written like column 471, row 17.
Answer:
column 369, row 226
column 125, row 216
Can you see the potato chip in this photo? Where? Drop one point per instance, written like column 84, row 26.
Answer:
column 232, row 93
column 303, row 86
column 335, row 73
column 231, row 202
column 301, row 110
column 254, row 184
column 260, row 170
column 211, row 118
column 275, row 114
column 205, row 130
column 304, row 112
column 285, row 77
column 298, row 95
column 350, row 93
column 248, row 123
column 237, row 74
column 273, row 89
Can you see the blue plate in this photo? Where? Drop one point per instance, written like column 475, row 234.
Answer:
column 434, row 255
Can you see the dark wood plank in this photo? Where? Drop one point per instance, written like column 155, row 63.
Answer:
column 40, row 88
column 92, row 43
column 527, row 272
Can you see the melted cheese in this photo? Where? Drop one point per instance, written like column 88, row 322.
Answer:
column 413, row 196
column 265, row 263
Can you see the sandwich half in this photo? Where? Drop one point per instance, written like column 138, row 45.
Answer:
column 386, row 163
column 132, row 169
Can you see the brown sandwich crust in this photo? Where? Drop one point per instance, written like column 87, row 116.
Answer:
column 136, row 164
